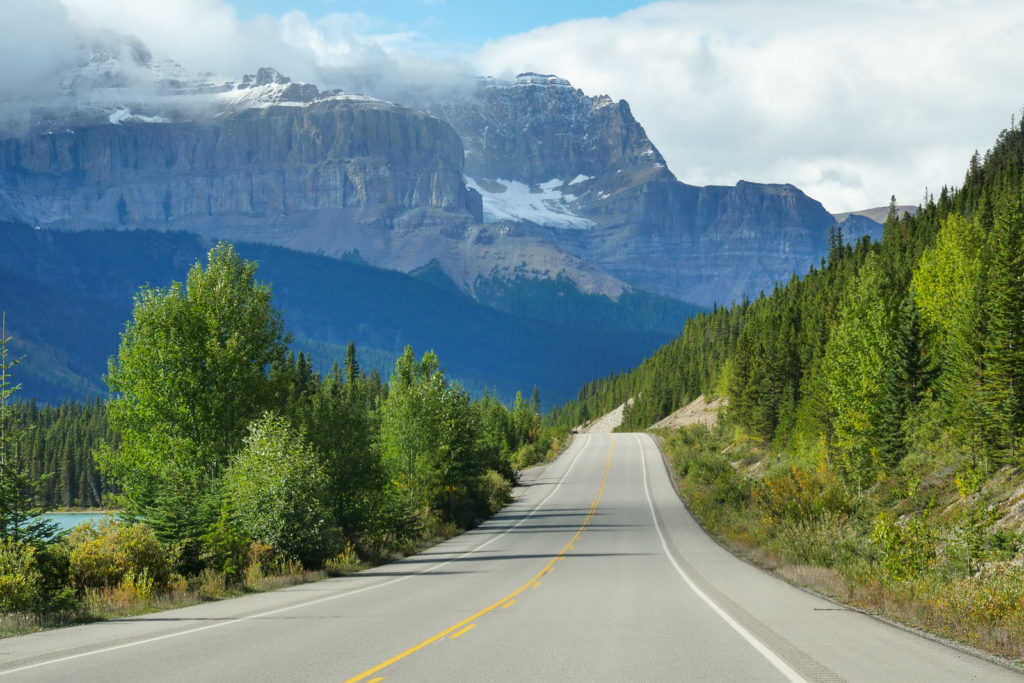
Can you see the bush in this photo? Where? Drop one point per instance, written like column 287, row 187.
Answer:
column 21, row 582
column 102, row 553
column 226, row 549
column 714, row 473
column 907, row 549
column 278, row 490
column 799, row 495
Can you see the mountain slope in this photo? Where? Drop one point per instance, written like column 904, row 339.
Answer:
column 68, row 295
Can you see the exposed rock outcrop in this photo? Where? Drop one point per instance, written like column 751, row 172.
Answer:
column 581, row 172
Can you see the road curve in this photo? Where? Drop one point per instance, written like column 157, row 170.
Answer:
column 595, row 573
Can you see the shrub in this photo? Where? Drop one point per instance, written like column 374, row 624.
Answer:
column 344, row 563
column 21, row 581
column 799, row 495
column 102, row 553
column 721, row 482
column 907, row 549
column 278, row 489
column 226, row 549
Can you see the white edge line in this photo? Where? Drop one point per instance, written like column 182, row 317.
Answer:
column 308, row 603
column 765, row 651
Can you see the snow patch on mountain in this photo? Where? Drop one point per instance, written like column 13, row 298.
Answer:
column 544, row 204
column 124, row 115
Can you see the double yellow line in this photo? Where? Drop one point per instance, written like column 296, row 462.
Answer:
column 466, row 624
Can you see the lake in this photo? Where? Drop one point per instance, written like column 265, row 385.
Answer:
column 67, row 520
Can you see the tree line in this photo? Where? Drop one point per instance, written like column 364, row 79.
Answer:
column 218, row 439
column 885, row 349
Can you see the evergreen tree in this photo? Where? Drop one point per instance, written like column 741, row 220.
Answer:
column 1003, row 357
column 902, row 383
column 19, row 491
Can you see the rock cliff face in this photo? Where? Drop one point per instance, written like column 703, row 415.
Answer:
column 526, row 178
column 581, row 172
column 277, row 172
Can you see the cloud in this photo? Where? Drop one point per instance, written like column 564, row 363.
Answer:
column 347, row 50
column 852, row 100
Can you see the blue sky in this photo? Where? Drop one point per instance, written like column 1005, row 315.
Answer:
column 456, row 24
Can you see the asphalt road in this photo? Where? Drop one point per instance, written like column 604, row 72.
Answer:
column 595, row 573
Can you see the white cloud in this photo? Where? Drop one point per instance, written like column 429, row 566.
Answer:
column 851, row 101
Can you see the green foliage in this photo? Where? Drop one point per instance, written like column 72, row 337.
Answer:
column 907, row 549
column 428, row 434
column 19, row 489
column 190, row 374
column 856, row 356
column 1003, row 355
column 103, row 552
column 277, row 489
column 21, row 582
column 226, row 548
column 800, row 496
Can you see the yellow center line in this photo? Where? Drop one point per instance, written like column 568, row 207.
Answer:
column 378, row 679
column 532, row 583
column 508, row 604
column 459, row 633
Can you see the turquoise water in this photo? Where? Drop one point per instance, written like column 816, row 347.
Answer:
column 67, row 520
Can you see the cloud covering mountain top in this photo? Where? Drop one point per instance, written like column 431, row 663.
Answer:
column 852, row 100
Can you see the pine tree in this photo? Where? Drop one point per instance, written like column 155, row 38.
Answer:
column 19, row 491
column 1003, row 358
column 902, row 382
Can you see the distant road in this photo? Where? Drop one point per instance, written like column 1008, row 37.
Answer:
column 595, row 573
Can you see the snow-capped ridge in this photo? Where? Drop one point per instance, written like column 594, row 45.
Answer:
column 269, row 88
column 526, row 80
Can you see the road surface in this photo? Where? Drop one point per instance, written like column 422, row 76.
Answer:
column 595, row 573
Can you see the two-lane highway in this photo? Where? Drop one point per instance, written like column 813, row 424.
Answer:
column 596, row 572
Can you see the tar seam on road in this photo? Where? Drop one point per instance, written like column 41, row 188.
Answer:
column 308, row 603
column 763, row 649
column 532, row 583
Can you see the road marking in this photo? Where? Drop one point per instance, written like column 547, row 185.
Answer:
column 378, row 679
column 459, row 633
column 532, row 583
column 308, row 603
column 508, row 604
column 763, row 649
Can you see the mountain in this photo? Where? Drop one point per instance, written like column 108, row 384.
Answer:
column 856, row 224
column 67, row 296
column 502, row 180
column 580, row 173
column 525, row 199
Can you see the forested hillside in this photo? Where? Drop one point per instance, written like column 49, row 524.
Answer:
column 872, row 444
column 67, row 296
column 884, row 348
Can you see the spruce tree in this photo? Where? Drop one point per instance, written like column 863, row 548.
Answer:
column 19, row 491
column 1003, row 358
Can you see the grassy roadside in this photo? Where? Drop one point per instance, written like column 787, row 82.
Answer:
column 924, row 548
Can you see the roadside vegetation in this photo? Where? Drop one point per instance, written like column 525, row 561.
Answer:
column 873, row 444
column 922, row 548
column 234, row 466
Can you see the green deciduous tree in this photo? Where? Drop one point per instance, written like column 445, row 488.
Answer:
column 854, row 367
column 190, row 374
column 277, row 488
column 429, row 435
